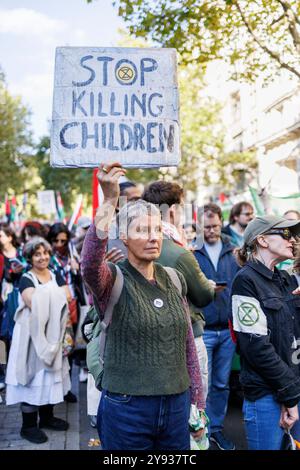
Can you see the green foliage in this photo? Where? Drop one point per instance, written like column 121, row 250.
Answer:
column 203, row 158
column 200, row 127
column 69, row 181
column 256, row 36
column 233, row 170
column 15, row 141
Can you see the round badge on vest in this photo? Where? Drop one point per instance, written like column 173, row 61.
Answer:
column 158, row 303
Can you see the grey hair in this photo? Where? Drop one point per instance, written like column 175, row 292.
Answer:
column 33, row 245
column 133, row 210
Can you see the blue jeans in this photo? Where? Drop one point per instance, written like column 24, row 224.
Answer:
column 127, row 422
column 220, row 351
column 261, row 419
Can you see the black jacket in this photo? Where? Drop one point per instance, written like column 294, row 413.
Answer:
column 266, row 320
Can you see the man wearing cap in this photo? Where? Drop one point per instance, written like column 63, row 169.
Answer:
column 265, row 322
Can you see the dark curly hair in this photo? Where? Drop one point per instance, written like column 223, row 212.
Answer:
column 55, row 229
column 9, row 233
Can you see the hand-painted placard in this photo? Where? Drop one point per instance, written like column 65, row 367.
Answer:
column 115, row 104
column 46, row 201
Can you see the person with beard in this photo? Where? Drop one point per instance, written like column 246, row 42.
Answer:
column 65, row 262
column 240, row 215
column 218, row 263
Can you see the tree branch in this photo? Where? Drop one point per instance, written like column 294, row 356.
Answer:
column 277, row 20
column 292, row 21
column 286, row 6
column 265, row 48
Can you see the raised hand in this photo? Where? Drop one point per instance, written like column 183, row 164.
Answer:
column 108, row 177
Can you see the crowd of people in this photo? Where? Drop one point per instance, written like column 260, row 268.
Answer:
column 41, row 295
column 192, row 296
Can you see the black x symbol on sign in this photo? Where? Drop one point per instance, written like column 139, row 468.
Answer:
column 125, row 73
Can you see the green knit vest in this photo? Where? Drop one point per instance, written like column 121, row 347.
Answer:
column 145, row 352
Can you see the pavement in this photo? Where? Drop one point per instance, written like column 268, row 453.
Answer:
column 80, row 435
column 233, row 425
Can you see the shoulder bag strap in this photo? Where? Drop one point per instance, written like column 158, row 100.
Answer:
column 174, row 277
column 32, row 278
column 113, row 300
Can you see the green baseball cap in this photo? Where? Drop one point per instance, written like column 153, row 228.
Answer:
column 261, row 225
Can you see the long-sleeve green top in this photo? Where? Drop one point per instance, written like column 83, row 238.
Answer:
column 199, row 291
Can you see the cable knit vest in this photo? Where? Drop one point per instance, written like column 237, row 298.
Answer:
column 146, row 343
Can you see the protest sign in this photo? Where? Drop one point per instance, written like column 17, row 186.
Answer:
column 115, row 104
column 46, row 201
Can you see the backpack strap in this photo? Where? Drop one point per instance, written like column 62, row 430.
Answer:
column 32, row 278
column 177, row 283
column 114, row 298
column 174, row 278
column 35, row 280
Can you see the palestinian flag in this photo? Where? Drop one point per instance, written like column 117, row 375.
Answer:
column 13, row 209
column 60, row 207
column 77, row 212
column 7, row 208
column 259, row 207
column 97, row 192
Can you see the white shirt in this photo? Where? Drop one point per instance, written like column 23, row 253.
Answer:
column 214, row 252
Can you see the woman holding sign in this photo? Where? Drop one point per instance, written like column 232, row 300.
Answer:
column 151, row 371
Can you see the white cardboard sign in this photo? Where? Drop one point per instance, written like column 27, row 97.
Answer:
column 115, row 104
column 46, row 201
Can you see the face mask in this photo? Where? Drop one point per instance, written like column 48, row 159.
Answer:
column 62, row 250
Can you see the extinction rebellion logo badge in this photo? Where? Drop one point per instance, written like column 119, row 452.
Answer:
column 248, row 314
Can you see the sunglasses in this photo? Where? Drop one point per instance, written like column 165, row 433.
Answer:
column 284, row 233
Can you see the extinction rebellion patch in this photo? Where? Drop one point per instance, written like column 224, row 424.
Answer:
column 248, row 316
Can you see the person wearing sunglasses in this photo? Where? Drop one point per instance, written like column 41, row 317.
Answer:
column 288, row 265
column 265, row 323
